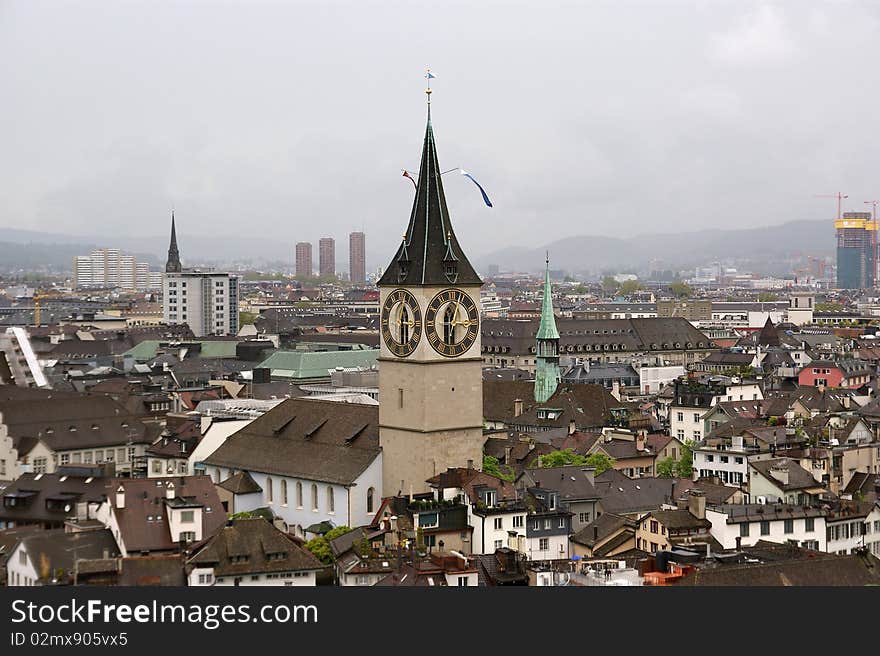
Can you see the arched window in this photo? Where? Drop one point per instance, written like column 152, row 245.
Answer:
column 404, row 325
column 283, row 492
column 314, row 497
column 331, row 503
column 269, row 489
column 448, row 326
column 370, row 493
column 299, row 494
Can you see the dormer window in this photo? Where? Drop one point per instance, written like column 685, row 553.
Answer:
column 451, row 272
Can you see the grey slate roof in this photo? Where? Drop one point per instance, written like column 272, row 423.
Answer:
column 430, row 240
column 264, row 547
column 306, row 438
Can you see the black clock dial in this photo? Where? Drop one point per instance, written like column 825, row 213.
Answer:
column 401, row 323
column 452, row 322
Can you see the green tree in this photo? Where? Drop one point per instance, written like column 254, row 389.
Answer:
column 609, row 284
column 492, row 467
column 667, row 467
column 630, row 287
column 601, row 461
column 246, row 317
column 680, row 289
column 829, row 307
column 320, row 545
column 685, row 465
column 766, row 297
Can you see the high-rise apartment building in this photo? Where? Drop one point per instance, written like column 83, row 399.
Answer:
column 207, row 301
column 327, row 256
column 855, row 250
column 304, row 260
column 357, row 258
column 109, row 268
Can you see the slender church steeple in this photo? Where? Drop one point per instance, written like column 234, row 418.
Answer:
column 173, row 263
column 430, row 254
column 547, row 375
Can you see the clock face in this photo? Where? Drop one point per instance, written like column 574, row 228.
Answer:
column 401, row 322
column 452, row 322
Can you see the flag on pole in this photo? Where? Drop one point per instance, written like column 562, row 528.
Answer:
column 482, row 191
column 430, row 75
column 412, row 179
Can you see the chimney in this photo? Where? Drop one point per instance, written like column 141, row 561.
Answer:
column 470, row 463
column 393, row 520
column 120, row 497
column 105, row 554
column 169, row 490
column 615, row 389
column 739, row 543
column 595, row 535
column 507, row 452
column 846, row 401
column 517, row 407
column 697, row 504
column 571, row 427
column 640, row 441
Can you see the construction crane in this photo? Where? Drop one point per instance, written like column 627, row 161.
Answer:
column 874, row 204
column 839, row 196
column 37, row 297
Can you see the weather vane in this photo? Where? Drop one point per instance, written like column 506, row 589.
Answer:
column 429, row 75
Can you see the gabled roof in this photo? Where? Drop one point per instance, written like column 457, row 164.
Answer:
column 54, row 553
column 61, row 489
column 430, row 241
column 252, row 546
column 140, row 526
column 240, row 483
column 306, row 438
column 798, row 477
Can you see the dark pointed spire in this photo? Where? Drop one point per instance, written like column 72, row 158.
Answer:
column 430, row 240
column 173, row 263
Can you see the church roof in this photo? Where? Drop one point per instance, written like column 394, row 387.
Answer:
column 430, row 242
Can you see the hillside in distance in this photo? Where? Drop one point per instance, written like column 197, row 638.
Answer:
column 584, row 253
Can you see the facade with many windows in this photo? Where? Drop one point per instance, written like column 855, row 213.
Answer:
column 206, row 301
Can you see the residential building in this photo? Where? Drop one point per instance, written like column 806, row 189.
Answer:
column 548, row 527
column 846, row 373
column 304, row 267
column 783, row 480
column 661, row 530
column 327, row 256
column 51, row 557
column 692, row 398
column 48, row 501
column 357, row 258
column 206, row 301
column 252, row 552
column 160, row 515
column 735, row 525
column 109, row 268
column 853, row 525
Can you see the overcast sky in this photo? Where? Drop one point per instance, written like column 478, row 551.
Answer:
column 293, row 119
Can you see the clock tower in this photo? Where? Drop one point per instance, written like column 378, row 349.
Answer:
column 430, row 366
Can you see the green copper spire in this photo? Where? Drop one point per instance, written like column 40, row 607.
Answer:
column 547, row 329
column 547, row 375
